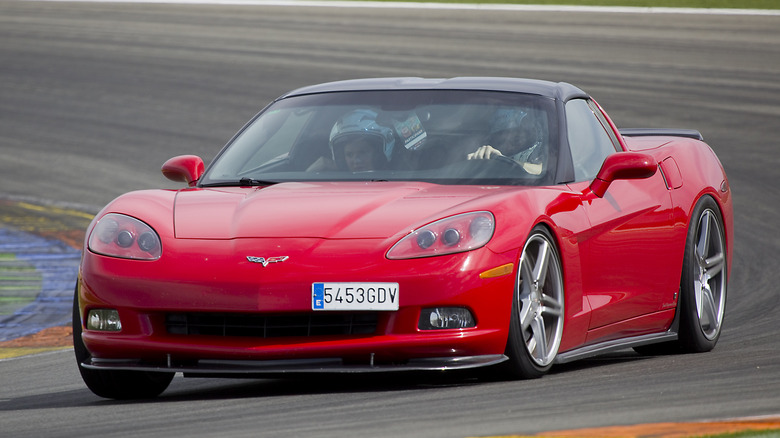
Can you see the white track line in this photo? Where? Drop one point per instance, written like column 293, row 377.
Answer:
column 449, row 6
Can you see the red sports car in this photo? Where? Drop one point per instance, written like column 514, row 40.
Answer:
column 409, row 224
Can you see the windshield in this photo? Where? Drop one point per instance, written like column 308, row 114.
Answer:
column 439, row 136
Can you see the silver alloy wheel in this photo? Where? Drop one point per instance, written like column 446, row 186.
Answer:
column 540, row 299
column 709, row 278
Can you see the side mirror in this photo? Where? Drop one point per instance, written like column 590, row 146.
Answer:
column 623, row 165
column 184, row 168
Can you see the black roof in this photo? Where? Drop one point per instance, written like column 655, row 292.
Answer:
column 556, row 90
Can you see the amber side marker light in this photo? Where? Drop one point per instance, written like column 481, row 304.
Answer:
column 498, row 272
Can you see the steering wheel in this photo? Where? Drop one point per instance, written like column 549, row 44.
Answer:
column 508, row 160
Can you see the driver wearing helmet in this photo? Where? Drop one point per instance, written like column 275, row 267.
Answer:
column 358, row 143
column 513, row 134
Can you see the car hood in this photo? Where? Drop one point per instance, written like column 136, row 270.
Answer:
column 336, row 210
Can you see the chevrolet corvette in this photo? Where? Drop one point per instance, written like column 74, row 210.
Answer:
column 399, row 224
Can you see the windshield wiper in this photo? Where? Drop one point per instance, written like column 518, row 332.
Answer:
column 255, row 182
column 243, row 182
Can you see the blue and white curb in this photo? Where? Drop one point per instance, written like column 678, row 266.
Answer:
column 57, row 264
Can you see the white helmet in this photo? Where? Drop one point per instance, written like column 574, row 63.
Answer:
column 361, row 123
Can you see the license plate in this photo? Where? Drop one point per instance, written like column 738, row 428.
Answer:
column 354, row 296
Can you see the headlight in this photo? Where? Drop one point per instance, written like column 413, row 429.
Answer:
column 459, row 233
column 117, row 235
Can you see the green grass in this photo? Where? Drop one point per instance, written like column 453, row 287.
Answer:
column 719, row 4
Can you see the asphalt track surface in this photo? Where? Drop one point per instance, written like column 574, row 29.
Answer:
column 94, row 97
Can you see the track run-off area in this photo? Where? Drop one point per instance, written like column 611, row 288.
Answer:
column 40, row 248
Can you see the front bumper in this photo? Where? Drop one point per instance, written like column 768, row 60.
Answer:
column 146, row 294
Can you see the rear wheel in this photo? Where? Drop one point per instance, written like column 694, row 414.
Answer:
column 118, row 384
column 703, row 284
column 536, row 325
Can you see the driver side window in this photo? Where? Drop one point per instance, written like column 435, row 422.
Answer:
column 589, row 141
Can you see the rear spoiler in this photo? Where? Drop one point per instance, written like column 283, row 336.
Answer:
column 661, row 132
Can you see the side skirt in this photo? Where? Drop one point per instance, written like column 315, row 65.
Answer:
column 617, row 344
column 669, row 335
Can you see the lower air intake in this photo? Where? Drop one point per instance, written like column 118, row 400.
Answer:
column 259, row 326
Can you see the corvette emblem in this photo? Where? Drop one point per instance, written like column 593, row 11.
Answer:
column 265, row 261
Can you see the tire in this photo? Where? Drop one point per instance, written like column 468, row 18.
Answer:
column 536, row 325
column 120, row 385
column 704, row 279
column 703, row 284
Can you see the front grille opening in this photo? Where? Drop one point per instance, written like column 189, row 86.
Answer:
column 276, row 326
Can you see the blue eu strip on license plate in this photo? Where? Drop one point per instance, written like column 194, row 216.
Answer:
column 354, row 296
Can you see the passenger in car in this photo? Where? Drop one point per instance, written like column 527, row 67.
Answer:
column 513, row 134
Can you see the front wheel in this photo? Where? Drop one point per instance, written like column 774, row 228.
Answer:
column 536, row 325
column 120, row 385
